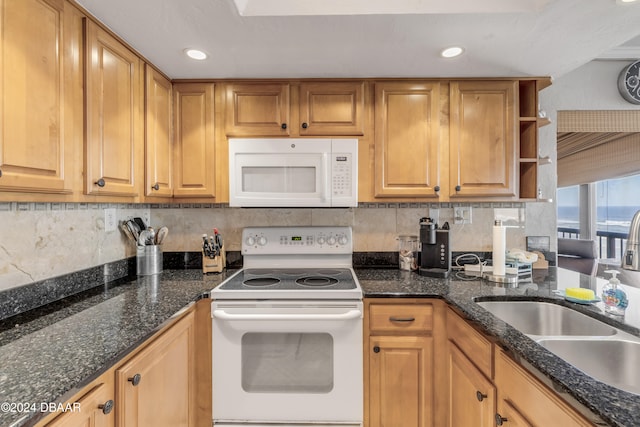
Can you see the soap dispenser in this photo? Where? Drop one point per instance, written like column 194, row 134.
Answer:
column 614, row 298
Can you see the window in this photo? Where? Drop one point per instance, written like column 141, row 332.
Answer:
column 569, row 210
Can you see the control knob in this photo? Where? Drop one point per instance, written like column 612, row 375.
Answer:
column 342, row 240
column 331, row 240
column 250, row 241
column 321, row 240
column 262, row 240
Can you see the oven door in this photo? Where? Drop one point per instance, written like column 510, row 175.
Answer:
column 290, row 361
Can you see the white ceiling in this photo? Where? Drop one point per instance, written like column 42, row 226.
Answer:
column 550, row 38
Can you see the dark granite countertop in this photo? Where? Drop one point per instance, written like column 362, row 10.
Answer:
column 613, row 406
column 49, row 357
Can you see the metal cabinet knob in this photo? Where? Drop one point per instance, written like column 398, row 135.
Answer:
column 458, row 188
column 106, row 406
column 500, row 420
column 436, row 188
column 135, row 380
column 156, row 186
column 100, row 182
column 376, row 349
column 0, row 173
column 480, row 396
column 305, row 125
column 283, row 126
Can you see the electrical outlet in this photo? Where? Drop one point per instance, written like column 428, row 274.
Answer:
column 110, row 220
column 462, row 215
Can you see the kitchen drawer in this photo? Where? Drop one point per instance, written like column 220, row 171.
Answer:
column 475, row 346
column 414, row 318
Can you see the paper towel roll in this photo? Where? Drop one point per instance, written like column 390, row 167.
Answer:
column 499, row 248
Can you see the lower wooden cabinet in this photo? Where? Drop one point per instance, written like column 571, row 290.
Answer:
column 155, row 387
column 400, row 358
column 94, row 409
column 472, row 397
column 524, row 400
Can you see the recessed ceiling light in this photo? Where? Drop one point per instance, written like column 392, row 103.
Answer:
column 452, row 52
column 626, row 1
column 195, row 54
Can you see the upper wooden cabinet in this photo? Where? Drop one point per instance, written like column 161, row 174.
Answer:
column 483, row 123
column 158, row 135
column 407, row 139
column 113, row 112
column 257, row 109
column 41, row 95
column 331, row 108
column 194, row 154
column 288, row 109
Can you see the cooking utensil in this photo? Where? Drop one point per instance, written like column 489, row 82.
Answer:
column 144, row 238
column 151, row 240
column 127, row 232
column 140, row 223
column 133, row 227
column 161, row 235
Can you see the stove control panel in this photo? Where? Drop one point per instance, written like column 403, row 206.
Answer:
column 297, row 240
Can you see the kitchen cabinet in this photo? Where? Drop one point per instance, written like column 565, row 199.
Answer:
column 94, row 409
column 471, row 394
column 407, row 139
column 194, row 155
column 483, row 138
column 157, row 386
column 41, row 94
column 331, row 108
column 113, row 113
column 257, row 109
column 400, row 336
column 308, row 108
column 525, row 400
column 159, row 135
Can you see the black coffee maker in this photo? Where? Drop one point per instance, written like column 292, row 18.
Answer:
column 435, row 252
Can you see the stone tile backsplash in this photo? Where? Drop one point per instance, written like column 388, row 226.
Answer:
column 43, row 240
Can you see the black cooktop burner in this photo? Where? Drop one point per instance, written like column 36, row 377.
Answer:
column 291, row 279
column 260, row 282
column 316, row 281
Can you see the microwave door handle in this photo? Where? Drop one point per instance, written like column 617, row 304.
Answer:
column 327, row 178
column 349, row 315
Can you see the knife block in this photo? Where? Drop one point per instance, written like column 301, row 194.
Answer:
column 215, row 264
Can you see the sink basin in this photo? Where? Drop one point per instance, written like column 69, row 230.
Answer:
column 613, row 362
column 543, row 318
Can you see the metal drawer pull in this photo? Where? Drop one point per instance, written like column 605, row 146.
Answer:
column 351, row 314
column 402, row 319
column 106, row 407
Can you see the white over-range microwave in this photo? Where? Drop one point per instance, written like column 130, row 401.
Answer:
column 303, row 172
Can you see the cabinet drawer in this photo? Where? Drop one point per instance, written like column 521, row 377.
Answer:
column 476, row 347
column 413, row 318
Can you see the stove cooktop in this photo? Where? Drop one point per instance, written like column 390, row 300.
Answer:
column 290, row 283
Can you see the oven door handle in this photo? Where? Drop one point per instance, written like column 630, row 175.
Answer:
column 349, row 315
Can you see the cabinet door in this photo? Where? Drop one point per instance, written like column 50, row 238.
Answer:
column 256, row 109
column 95, row 409
column 400, row 377
column 334, row 109
column 114, row 131
column 407, row 140
column 483, row 139
column 472, row 397
column 157, row 386
column 158, row 135
column 39, row 69
column 521, row 393
column 194, row 140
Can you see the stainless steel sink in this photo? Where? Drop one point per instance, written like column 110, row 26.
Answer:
column 614, row 362
column 546, row 319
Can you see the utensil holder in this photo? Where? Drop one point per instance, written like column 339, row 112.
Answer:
column 149, row 260
column 215, row 264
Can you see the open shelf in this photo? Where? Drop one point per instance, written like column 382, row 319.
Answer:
column 528, row 139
